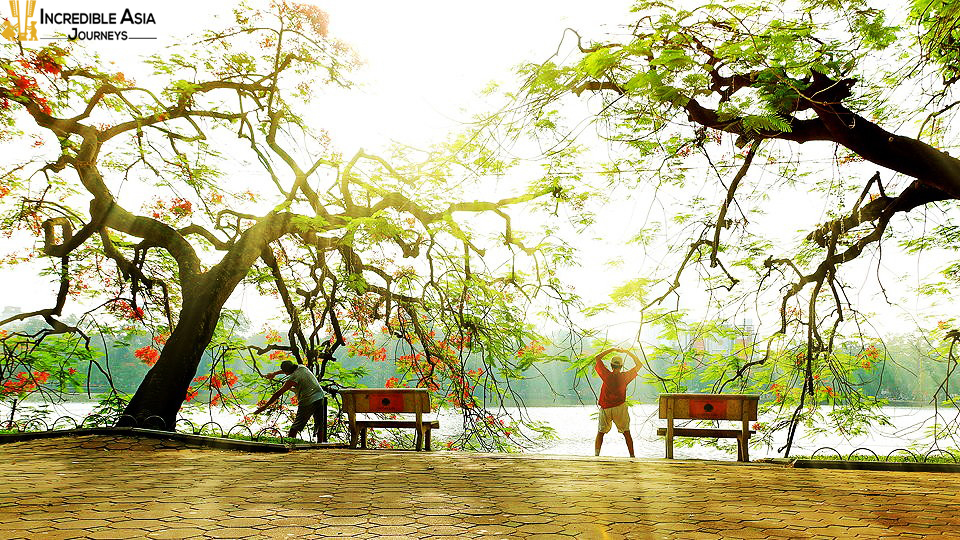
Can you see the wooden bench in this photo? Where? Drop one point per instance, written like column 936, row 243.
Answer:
column 388, row 400
column 738, row 407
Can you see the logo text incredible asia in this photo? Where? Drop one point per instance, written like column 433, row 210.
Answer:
column 25, row 27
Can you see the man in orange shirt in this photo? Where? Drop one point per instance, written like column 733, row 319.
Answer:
column 613, row 396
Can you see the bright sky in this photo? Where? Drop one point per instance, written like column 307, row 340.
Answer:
column 426, row 61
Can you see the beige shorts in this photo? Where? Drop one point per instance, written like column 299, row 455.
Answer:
column 619, row 415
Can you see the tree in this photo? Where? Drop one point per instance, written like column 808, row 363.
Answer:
column 738, row 88
column 212, row 176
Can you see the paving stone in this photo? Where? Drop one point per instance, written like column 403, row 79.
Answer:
column 392, row 530
column 229, row 532
column 302, row 532
column 344, row 521
column 440, row 530
column 438, row 520
column 117, row 534
column 175, row 534
column 490, row 530
column 125, row 487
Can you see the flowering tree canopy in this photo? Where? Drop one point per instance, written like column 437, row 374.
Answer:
column 732, row 90
column 159, row 198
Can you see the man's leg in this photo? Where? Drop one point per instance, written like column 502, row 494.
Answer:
column 603, row 426
column 319, row 419
column 300, row 420
column 629, row 439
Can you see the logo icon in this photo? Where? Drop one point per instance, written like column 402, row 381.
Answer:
column 24, row 29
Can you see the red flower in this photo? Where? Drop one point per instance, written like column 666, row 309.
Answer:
column 148, row 355
column 181, row 207
column 273, row 336
column 122, row 308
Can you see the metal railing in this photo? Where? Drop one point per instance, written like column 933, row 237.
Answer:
column 182, row 425
column 910, row 455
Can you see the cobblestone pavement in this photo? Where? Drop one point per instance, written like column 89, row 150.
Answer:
column 112, row 487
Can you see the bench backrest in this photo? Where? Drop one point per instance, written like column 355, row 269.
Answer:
column 709, row 406
column 385, row 400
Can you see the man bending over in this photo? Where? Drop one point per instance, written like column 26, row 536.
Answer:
column 308, row 392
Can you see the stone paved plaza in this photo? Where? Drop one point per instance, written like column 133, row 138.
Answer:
column 127, row 487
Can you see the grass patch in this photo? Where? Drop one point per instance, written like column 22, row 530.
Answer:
column 900, row 457
column 262, row 439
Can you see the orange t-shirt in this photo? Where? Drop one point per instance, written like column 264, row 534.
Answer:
column 613, row 391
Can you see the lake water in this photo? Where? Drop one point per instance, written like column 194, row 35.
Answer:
column 576, row 428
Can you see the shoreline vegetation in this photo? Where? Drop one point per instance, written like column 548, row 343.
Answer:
column 527, row 402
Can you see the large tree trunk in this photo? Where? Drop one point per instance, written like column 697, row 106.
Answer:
column 164, row 388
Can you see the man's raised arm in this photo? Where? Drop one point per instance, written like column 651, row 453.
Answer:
column 636, row 361
column 598, row 365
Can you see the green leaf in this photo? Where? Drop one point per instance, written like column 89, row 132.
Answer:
column 675, row 59
column 597, row 62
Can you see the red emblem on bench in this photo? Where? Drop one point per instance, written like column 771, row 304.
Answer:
column 708, row 409
column 386, row 403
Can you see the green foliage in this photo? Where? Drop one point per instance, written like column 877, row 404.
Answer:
column 49, row 368
column 245, row 190
column 759, row 124
column 634, row 291
column 701, row 108
column 597, row 62
column 940, row 32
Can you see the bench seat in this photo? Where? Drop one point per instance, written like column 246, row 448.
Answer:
column 387, row 401
column 704, row 432
column 422, row 440
column 741, row 408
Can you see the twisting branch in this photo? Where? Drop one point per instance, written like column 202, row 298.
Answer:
column 731, row 191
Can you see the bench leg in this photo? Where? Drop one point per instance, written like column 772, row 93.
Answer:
column 743, row 449
column 745, row 438
column 669, row 438
column 353, row 438
column 419, row 440
column 428, row 439
column 352, row 422
column 363, row 437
